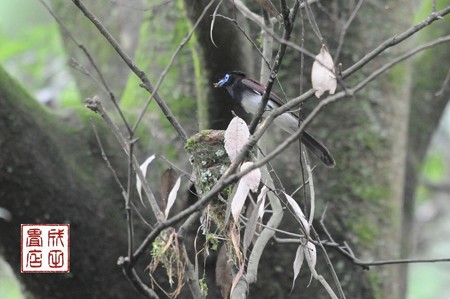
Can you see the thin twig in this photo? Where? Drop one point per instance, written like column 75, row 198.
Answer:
column 105, row 158
column 139, row 73
column 128, row 211
column 230, row 176
column 151, row 7
column 399, row 59
column 132, row 276
column 288, row 27
column 345, row 28
column 91, row 61
column 312, row 21
column 116, row 178
column 96, row 106
column 396, row 39
column 154, row 92
column 330, row 266
column 340, row 95
column 444, row 85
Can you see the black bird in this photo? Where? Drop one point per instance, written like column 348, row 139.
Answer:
column 248, row 93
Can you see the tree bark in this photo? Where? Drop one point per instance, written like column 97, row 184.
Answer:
column 231, row 53
column 51, row 171
column 427, row 105
column 367, row 135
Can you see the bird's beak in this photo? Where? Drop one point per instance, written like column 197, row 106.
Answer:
column 220, row 83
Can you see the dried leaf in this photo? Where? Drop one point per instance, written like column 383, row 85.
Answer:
column 253, row 178
column 311, row 255
column 238, row 199
column 235, row 240
column 298, row 212
column 251, row 227
column 322, row 74
column 143, row 168
column 311, row 258
column 235, row 137
column 237, row 278
column 298, row 262
column 262, row 198
column 168, row 179
column 172, row 197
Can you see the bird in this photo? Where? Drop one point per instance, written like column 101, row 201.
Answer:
column 248, row 93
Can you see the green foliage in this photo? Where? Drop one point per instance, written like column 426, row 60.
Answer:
column 159, row 39
column 9, row 286
column 426, row 8
column 203, row 286
column 32, row 50
column 434, row 169
column 70, row 98
column 213, row 241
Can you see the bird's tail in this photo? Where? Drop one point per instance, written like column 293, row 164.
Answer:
column 318, row 149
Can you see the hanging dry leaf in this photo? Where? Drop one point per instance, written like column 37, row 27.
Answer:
column 168, row 179
column 298, row 212
column 298, row 262
column 143, row 168
column 311, row 259
column 238, row 199
column 311, row 255
column 252, row 178
column 235, row 137
column 172, row 197
column 323, row 76
column 262, row 199
column 248, row 182
column 250, row 229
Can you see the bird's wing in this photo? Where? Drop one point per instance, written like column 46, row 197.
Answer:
column 259, row 89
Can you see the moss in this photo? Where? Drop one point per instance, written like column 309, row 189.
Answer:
column 365, row 230
column 376, row 284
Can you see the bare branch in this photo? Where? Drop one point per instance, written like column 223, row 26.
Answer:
column 139, row 73
column 444, row 85
column 91, row 61
column 395, row 40
column 288, row 27
column 154, row 92
column 96, row 106
column 345, row 28
column 132, row 276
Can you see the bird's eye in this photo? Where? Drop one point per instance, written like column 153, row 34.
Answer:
column 227, row 77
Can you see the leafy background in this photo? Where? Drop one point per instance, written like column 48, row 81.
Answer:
column 31, row 50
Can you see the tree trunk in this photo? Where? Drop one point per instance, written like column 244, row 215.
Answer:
column 123, row 22
column 51, row 171
column 427, row 105
column 231, row 53
column 367, row 135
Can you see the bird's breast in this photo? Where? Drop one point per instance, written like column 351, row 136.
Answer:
column 250, row 102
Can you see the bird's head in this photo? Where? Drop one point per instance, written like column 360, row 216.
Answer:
column 229, row 79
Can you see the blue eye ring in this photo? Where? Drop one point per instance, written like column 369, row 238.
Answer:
column 223, row 81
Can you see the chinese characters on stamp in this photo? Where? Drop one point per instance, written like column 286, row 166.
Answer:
column 45, row 248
